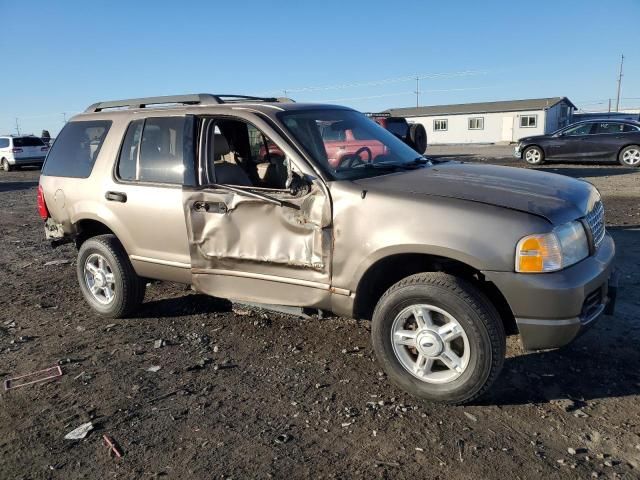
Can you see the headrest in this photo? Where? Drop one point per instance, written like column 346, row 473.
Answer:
column 220, row 146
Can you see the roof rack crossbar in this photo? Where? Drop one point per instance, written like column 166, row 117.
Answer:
column 190, row 99
column 243, row 98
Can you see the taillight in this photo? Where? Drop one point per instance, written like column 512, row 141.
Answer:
column 16, row 150
column 42, row 205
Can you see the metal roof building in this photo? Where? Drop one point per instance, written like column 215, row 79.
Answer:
column 490, row 122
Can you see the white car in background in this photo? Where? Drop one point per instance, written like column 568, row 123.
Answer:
column 21, row 151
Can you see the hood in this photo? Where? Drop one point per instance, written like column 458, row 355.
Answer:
column 557, row 198
column 533, row 138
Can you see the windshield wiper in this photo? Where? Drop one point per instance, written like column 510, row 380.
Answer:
column 415, row 163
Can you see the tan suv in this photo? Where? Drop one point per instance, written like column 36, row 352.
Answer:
column 444, row 258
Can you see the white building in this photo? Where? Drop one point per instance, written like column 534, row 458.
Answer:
column 490, row 122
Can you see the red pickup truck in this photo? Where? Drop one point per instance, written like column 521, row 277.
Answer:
column 342, row 141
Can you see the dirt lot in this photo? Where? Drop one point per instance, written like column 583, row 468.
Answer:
column 246, row 393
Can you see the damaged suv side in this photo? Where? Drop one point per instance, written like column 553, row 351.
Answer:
column 243, row 198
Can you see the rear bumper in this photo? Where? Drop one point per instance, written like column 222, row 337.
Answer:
column 552, row 309
column 26, row 161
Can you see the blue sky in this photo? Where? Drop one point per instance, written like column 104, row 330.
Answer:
column 62, row 56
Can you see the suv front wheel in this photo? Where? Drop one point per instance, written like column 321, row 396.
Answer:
column 107, row 279
column 438, row 338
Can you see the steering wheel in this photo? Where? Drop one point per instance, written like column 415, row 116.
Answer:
column 350, row 161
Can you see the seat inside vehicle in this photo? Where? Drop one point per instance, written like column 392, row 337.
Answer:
column 226, row 170
column 244, row 156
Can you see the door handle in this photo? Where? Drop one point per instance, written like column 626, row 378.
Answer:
column 210, row 207
column 116, row 197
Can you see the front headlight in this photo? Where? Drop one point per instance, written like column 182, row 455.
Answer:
column 549, row 252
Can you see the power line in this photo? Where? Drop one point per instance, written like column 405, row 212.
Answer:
column 385, row 81
column 398, row 94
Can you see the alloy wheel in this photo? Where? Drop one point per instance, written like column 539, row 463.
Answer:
column 99, row 278
column 430, row 343
column 631, row 157
column 533, row 156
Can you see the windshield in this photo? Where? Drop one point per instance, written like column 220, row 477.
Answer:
column 348, row 145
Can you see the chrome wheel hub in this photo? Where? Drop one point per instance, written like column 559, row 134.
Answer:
column 430, row 343
column 99, row 278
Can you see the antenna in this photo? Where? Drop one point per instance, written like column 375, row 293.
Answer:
column 619, row 85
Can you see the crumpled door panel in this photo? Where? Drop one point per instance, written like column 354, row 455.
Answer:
column 240, row 230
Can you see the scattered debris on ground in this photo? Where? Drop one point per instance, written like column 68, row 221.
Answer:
column 258, row 394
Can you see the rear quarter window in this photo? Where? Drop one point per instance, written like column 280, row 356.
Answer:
column 76, row 148
column 4, row 142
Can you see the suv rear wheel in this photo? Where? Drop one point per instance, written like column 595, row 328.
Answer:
column 5, row 165
column 438, row 338
column 107, row 279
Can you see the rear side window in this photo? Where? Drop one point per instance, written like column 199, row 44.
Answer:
column 75, row 150
column 27, row 142
column 631, row 128
column 609, row 127
column 158, row 150
column 4, row 142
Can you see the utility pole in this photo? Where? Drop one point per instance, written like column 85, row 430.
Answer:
column 609, row 105
column 17, row 126
column 64, row 117
column 619, row 85
column 417, row 92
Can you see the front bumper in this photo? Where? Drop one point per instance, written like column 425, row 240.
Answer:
column 551, row 309
column 517, row 152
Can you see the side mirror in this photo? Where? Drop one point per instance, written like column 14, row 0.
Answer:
column 299, row 186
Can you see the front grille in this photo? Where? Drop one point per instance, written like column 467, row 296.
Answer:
column 595, row 219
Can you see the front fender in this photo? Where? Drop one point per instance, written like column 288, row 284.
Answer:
column 370, row 227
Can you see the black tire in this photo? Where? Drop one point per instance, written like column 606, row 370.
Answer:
column 129, row 289
column 5, row 165
column 473, row 312
column 632, row 162
column 418, row 137
column 536, row 155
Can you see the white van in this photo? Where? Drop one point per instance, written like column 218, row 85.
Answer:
column 21, row 151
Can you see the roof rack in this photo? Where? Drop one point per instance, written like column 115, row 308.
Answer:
column 190, row 99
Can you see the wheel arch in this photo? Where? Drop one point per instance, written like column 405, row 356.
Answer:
column 538, row 145
column 388, row 270
column 87, row 228
column 630, row 144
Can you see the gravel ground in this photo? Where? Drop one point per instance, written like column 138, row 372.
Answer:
column 247, row 393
